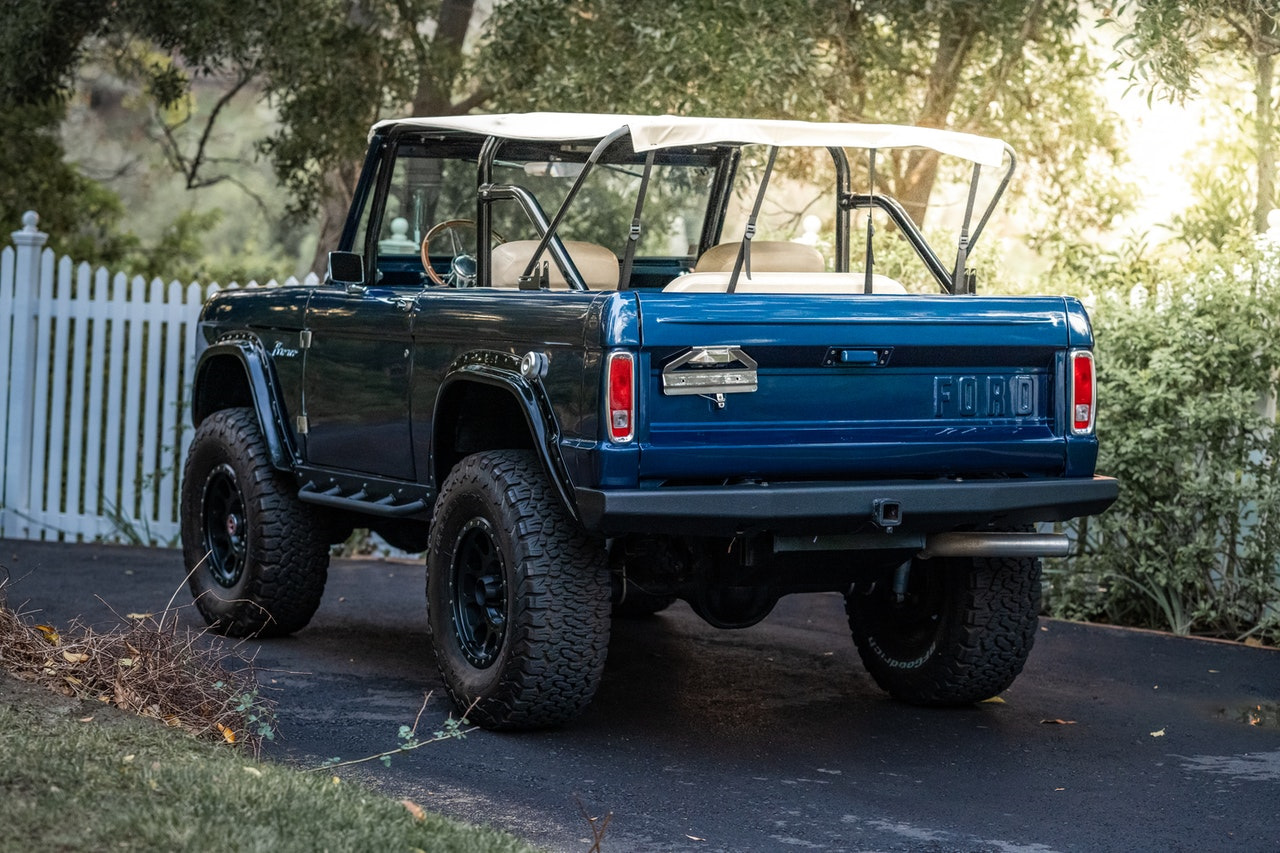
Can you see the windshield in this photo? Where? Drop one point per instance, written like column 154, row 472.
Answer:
column 675, row 204
column 428, row 187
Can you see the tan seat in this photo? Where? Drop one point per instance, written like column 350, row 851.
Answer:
column 766, row 256
column 598, row 265
column 784, row 282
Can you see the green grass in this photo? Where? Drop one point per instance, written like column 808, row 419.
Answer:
column 120, row 783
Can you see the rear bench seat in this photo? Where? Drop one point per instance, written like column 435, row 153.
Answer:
column 777, row 266
column 783, row 282
column 766, row 256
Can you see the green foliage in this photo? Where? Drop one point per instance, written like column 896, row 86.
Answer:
column 81, row 216
column 1071, row 183
column 331, row 68
column 327, row 68
column 1218, row 218
column 1159, row 44
column 408, row 740
column 177, row 252
column 258, row 714
column 1223, row 173
column 986, row 67
column 709, row 57
column 41, row 48
column 40, row 45
column 1188, row 373
column 333, row 78
column 1167, row 44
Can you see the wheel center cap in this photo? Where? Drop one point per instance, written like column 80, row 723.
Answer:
column 233, row 524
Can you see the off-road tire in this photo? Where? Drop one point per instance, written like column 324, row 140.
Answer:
column 517, row 596
column 256, row 558
column 962, row 634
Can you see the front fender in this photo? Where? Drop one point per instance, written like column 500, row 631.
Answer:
column 236, row 371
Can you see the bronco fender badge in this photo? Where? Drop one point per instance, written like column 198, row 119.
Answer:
column 710, row 370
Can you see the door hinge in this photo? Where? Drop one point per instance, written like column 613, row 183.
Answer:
column 302, row 424
column 304, row 339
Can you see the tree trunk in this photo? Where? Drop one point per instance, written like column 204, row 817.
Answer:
column 340, row 188
column 439, row 63
column 1264, row 129
column 959, row 34
column 442, row 59
column 954, row 44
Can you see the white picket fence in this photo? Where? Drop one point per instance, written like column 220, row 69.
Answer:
column 94, row 421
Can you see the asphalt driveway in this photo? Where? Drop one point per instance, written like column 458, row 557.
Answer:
column 769, row 738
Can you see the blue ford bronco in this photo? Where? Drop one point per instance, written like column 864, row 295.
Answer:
column 590, row 365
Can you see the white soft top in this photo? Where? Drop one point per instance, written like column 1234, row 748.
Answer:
column 652, row 132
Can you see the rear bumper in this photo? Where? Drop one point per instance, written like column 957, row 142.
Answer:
column 923, row 506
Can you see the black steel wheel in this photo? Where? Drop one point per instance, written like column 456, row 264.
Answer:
column 478, row 593
column 517, row 596
column 255, row 556
column 222, row 517
column 959, row 633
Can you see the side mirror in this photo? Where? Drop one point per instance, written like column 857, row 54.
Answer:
column 346, row 268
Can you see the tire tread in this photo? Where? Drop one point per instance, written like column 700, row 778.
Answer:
column 988, row 629
column 559, row 632
column 288, row 557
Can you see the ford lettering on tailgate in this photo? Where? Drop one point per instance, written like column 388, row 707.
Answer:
column 998, row 396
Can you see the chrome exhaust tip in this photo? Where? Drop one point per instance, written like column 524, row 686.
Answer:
column 996, row 545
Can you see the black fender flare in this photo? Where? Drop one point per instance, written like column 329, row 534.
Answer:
column 502, row 370
column 263, row 389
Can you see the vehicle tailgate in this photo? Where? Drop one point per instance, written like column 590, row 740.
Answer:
column 853, row 386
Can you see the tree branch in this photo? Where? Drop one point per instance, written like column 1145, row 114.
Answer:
column 189, row 166
column 470, row 102
column 1255, row 38
column 246, row 74
column 410, row 26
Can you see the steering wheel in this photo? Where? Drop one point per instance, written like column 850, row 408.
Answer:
column 462, row 270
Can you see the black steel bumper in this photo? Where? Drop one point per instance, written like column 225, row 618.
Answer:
column 920, row 506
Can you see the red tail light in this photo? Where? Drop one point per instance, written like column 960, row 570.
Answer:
column 621, row 403
column 1083, row 392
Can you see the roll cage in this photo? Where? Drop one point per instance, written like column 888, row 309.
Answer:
column 618, row 149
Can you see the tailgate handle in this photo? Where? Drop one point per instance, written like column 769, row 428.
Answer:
column 858, row 357
column 710, row 370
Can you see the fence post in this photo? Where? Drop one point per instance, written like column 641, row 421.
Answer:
column 17, row 451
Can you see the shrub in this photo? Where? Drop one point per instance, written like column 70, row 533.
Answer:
column 1188, row 363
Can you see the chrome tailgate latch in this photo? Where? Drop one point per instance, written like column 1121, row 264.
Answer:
column 710, row 371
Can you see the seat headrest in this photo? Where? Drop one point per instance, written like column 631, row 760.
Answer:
column 598, row 265
column 766, row 256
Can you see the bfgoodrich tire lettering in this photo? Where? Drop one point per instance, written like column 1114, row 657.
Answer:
column 961, row 634
column 517, row 596
column 256, row 560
